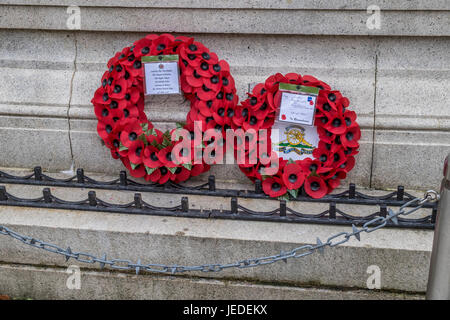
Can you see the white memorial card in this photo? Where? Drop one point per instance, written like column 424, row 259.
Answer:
column 161, row 75
column 298, row 104
column 293, row 141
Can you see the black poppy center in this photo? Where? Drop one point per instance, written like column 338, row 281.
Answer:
column 323, row 158
column 132, row 136
column 253, row 120
column 337, row 123
column 220, row 96
column 349, row 136
column 216, row 68
column 105, row 97
column 348, row 121
column 113, row 105
column 154, row 157
column 253, row 101
column 163, row 170
column 230, row 113
column 276, row 186
column 169, row 156
column 105, row 112
column 138, row 151
column 292, row 178
column 161, row 47
column 221, row 112
column 205, row 55
column 108, row 128
column 214, row 79
column 332, row 97
column 326, row 107
column 204, row 66
column 245, row 113
column 116, row 143
column 229, row 96
column 192, row 47
column 315, row 186
column 117, row 88
column 137, row 64
column 313, row 167
column 225, row 81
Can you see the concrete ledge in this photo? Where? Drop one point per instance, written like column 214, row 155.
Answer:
column 248, row 4
column 29, row 281
column 189, row 19
column 402, row 255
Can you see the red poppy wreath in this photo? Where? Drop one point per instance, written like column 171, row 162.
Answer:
column 338, row 135
column 119, row 105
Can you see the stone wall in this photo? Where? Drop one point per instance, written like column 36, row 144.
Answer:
column 396, row 77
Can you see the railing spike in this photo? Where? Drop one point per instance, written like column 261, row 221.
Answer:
column 351, row 191
column 400, row 193
column 3, row 194
column 332, row 210
column 38, row 173
column 212, row 183
column 138, row 200
column 184, row 204
column 234, row 205
column 123, row 178
column 47, row 195
column 80, row 175
column 92, row 196
column 282, row 208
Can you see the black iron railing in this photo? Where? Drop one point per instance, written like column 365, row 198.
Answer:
column 283, row 213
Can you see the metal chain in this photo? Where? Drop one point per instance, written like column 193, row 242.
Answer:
column 299, row 252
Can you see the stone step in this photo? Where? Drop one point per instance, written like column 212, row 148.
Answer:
column 402, row 255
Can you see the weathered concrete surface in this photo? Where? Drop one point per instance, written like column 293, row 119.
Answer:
column 229, row 20
column 402, row 255
column 26, row 281
column 378, row 74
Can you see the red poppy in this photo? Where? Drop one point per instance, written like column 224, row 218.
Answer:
column 131, row 133
column 137, row 172
column 105, row 127
column 136, row 152
column 165, row 156
column 165, row 175
column 293, row 176
column 150, row 158
column 142, row 47
column 274, row 187
column 180, row 175
column 101, row 97
column 315, row 187
column 350, row 138
column 348, row 164
column 334, row 178
column 154, row 176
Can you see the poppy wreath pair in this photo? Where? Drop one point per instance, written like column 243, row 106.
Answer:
column 119, row 106
column 207, row 83
column 338, row 139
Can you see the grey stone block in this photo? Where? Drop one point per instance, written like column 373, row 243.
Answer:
column 249, row 21
column 185, row 241
column 25, row 281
